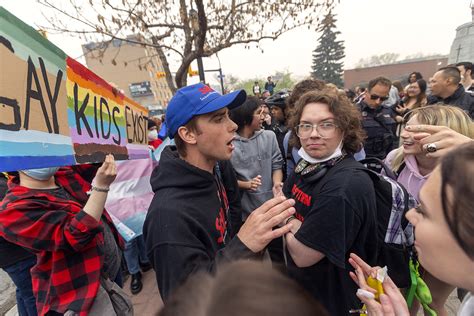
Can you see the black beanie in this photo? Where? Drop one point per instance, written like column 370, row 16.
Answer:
column 151, row 123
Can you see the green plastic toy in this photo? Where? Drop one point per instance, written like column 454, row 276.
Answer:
column 418, row 289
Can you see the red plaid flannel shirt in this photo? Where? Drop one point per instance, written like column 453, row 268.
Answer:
column 67, row 241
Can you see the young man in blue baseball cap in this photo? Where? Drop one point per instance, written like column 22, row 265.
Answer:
column 192, row 223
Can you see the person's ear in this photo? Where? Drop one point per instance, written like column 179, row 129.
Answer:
column 449, row 80
column 187, row 135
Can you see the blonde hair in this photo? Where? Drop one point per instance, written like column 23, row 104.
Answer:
column 441, row 115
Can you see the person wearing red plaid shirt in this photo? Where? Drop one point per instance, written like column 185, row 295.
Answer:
column 73, row 237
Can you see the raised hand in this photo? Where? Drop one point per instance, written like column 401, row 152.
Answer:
column 106, row 173
column 443, row 138
column 257, row 231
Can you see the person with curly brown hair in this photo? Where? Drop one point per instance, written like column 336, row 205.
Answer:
column 335, row 209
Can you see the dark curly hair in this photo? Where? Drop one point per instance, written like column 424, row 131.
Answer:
column 346, row 116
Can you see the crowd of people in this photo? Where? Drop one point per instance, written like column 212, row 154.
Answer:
column 264, row 204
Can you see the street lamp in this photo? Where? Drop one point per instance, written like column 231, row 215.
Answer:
column 193, row 16
column 221, row 76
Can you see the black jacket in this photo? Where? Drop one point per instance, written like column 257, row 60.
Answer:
column 460, row 98
column 380, row 128
column 187, row 226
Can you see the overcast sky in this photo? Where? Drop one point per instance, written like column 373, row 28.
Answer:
column 368, row 27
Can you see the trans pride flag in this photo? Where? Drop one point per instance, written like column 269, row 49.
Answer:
column 130, row 196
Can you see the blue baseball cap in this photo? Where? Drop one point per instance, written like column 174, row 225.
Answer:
column 195, row 100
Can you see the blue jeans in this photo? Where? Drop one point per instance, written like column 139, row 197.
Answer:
column 135, row 253
column 20, row 275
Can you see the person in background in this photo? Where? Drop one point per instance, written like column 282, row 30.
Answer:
column 270, row 85
column 137, row 262
column 360, row 94
column 265, row 94
column 446, row 88
column 415, row 98
column 377, row 120
column 267, row 117
column 17, row 263
column 277, row 104
column 234, row 289
column 351, row 95
column 157, row 120
column 256, row 158
column 444, row 233
column 398, row 85
column 153, row 140
column 393, row 97
column 49, row 212
column 256, row 89
column 413, row 77
column 465, row 68
column 257, row 162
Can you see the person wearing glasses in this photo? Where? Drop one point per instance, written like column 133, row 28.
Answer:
column 378, row 121
column 335, row 211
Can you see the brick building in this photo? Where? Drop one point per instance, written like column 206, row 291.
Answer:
column 398, row 71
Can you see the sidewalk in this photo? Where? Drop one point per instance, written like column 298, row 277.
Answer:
column 146, row 303
column 7, row 293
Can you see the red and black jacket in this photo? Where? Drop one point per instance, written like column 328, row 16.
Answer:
column 67, row 241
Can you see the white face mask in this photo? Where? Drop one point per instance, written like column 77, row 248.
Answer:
column 311, row 160
column 152, row 135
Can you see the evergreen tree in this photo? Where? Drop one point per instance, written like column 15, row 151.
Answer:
column 327, row 57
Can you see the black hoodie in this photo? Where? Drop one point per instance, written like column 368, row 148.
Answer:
column 187, row 227
column 460, row 98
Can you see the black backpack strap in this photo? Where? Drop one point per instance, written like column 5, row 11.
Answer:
column 289, row 154
column 377, row 165
column 289, row 149
column 404, row 223
column 402, row 166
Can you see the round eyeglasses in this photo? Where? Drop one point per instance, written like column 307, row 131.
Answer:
column 324, row 129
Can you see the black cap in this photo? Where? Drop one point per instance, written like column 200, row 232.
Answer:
column 278, row 99
column 151, row 123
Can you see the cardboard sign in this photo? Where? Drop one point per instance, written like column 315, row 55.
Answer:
column 56, row 112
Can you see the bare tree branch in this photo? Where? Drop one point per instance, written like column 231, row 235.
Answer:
column 188, row 28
